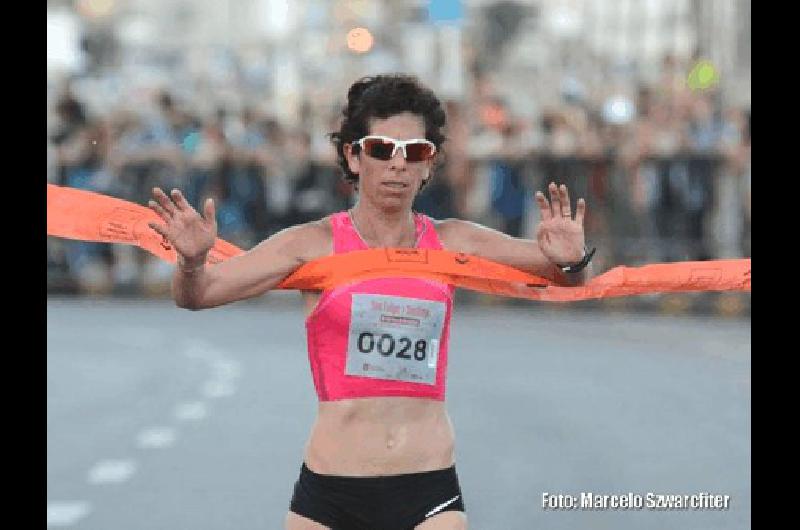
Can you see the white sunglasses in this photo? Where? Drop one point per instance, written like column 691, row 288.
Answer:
column 384, row 148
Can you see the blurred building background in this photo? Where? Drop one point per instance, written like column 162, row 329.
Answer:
column 640, row 106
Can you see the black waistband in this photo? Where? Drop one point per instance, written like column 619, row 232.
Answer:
column 372, row 478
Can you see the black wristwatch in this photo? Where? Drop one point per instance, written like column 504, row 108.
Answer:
column 578, row 267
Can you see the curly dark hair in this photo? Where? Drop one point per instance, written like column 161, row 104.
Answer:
column 383, row 96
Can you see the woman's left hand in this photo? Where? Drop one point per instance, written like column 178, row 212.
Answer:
column 560, row 237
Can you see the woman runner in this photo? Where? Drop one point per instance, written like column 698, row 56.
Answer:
column 381, row 451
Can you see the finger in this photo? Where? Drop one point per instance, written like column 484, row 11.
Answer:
column 555, row 202
column 179, row 200
column 544, row 206
column 210, row 211
column 580, row 211
column 164, row 201
column 566, row 209
column 159, row 210
column 162, row 231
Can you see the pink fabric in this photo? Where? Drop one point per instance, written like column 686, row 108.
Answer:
column 327, row 327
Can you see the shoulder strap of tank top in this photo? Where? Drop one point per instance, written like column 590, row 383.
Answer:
column 345, row 236
column 427, row 236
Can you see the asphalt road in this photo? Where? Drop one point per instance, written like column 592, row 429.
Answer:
column 160, row 418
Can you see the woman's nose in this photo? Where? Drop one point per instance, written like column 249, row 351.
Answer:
column 398, row 160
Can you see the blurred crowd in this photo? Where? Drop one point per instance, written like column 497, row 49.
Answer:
column 665, row 172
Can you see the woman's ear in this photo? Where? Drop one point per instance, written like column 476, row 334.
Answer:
column 433, row 165
column 434, row 162
column 353, row 160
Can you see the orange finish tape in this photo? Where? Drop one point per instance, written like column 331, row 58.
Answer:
column 89, row 216
column 478, row 274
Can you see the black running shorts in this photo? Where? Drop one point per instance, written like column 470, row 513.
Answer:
column 388, row 502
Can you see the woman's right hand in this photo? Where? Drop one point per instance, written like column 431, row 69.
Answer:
column 189, row 233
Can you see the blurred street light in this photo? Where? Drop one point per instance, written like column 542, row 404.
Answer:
column 359, row 40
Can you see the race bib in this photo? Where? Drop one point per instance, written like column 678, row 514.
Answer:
column 394, row 338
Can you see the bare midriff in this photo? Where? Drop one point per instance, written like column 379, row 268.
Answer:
column 379, row 435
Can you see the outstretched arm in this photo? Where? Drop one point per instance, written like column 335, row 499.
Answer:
column 559, row 240
column 196, row 285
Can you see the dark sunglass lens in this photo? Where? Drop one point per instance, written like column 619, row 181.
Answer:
column 418, row 152
column 378, row 149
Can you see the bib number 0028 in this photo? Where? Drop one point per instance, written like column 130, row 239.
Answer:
column 386, row 345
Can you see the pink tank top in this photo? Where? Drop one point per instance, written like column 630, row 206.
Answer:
column 380, row 337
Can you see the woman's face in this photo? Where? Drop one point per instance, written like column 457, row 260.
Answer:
column 390, row 184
